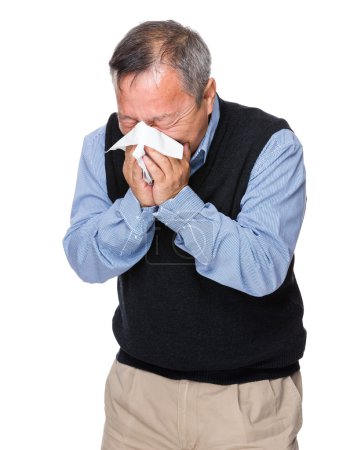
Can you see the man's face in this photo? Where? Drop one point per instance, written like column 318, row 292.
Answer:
column 158, row 99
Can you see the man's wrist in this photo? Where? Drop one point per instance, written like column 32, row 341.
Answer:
column 150, row 209
column 170, row 200
column 178, row 211
column 138, row 218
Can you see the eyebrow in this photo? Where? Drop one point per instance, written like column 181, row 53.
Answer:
column 155, row 118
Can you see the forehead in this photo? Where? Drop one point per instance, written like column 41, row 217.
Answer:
column 151, row 93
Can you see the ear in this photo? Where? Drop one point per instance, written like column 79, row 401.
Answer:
column 210, row 94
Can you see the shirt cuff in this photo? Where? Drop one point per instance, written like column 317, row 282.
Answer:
column 178, row 211
column 137, row 218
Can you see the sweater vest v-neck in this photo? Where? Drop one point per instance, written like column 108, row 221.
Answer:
column 179, row 324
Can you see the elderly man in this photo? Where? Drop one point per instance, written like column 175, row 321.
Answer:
column 209, row 321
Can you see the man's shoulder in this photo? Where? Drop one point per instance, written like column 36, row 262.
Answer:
column 251, row 111
column 93, row 146
column 254, row 116
column 96, row 135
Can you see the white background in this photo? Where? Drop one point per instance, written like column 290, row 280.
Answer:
column 295, row 59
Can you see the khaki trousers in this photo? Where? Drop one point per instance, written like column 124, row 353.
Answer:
column 145, row 411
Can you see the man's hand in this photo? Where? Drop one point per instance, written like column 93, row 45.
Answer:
column 134, row 177
column 170, row 175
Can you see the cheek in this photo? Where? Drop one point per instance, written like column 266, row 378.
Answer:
column 175, row 133
column 124, row 128
column 179, row 137
column 184, row 132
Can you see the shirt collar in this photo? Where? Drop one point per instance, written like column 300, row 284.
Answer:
column 205, row 144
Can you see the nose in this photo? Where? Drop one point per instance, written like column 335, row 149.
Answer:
column 149, row 123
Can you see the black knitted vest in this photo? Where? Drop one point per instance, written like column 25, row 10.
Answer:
column 177, row 323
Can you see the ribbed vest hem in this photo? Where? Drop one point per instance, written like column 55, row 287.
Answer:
column 224, row 377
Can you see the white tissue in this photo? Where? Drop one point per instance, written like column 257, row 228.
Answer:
column 143, row 135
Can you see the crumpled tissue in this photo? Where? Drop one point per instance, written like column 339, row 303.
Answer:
column 144, row 135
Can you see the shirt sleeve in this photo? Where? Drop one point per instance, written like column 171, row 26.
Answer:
column 105, row 239
column 252, row 253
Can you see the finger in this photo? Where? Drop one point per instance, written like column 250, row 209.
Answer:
column 162, row 161
column 155, row 171
column 137, row 171
column 187, row 152
column 129, row 151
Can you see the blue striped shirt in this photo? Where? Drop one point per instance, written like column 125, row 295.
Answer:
column 251, row 254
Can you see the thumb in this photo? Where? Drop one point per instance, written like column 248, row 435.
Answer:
column 187, row 151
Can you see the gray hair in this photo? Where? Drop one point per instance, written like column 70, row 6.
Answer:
column 152, row 43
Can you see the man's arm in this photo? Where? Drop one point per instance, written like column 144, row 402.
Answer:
column 253, row 252
column 105, row 239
